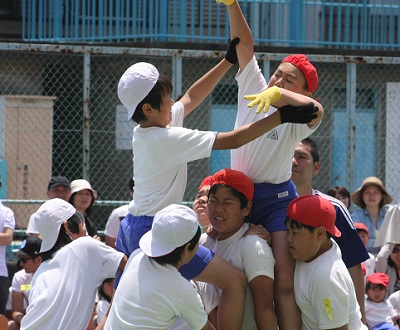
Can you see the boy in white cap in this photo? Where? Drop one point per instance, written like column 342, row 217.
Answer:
column 64, row 287
column 152, row 294
column 267, row 161
column 162, row 148
column 324, row 290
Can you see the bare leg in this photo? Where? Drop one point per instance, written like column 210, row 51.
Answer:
column 288, row 314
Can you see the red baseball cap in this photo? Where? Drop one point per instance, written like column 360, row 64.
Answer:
column 235, row 179
column 314, row 211
column 361, row 226
column 206, row 182
column 378, row 278
column 303, row 64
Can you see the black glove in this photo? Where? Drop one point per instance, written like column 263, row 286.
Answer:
column 300, row 115
column 231, row 55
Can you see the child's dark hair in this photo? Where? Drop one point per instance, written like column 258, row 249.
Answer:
column 175, row 256
column 368, row 286
column 75, row 221
column 293, row 224
column 242, row 198
column 63, row 238
column 102, row 293
column 162, row 87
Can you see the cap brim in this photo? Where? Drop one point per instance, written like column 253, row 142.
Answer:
column 20, row 253
column 150, row 249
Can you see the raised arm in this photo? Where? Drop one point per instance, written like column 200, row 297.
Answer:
column 202, row 87
column 240, row 29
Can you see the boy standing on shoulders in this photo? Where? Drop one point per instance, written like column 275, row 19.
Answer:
column 267, row 161
column 324, row 290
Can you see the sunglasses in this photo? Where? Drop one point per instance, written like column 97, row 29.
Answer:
column 24, row 260
column 395, row 250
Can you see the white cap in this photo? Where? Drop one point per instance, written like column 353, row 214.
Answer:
column 173, row 226
column 135, row 84
column 81, row 184
column 49, row 218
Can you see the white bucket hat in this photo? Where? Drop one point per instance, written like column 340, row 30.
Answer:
column 173, row 226
column 49, row 218
column 135, row 84
column 81, row 184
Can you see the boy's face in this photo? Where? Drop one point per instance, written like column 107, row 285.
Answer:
column 376, row 292
column 364, row 236
column 200, row 205
column 225, row 213
column 159, row 118
column 289, row 77
column 303, row 244
column 303, row 166
column 165, row 110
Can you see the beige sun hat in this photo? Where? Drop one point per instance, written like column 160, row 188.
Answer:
column 356, row 197
column 81, row 184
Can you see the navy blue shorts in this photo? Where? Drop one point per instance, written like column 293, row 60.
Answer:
column 270, row 203
column 132, row 228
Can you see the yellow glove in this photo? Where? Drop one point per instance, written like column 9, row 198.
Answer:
column 227, row 2
column 264, row 99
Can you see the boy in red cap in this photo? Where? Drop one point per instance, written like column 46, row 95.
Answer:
column 229, row 204
column 267, row 161
column 379, row 312
column 324, row 290
column 363, row 232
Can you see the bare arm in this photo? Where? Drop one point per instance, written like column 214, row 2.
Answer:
column 231, row 305
column 123, row 262
column 358, row 280
column 110, row 241
column 247, row 133
column 203, row 87
column 6, row 236
column 262, row 288
column 18, row 311
column 239, row 28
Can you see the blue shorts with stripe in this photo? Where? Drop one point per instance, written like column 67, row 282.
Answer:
column 270, row 203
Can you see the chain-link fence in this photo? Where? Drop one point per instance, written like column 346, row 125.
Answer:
column 60, row 115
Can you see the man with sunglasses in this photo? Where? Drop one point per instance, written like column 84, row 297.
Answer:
column 30, row 259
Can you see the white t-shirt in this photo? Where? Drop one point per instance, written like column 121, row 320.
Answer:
column 21, row 282
column 114, row 220
column 394, row 299
column 325, row 293
column 160, row 168
column 151, row 296
column 7, row 220
column 250, row 254
column 101, row 309
column 63, row 289
column 377, row 313
column 268, row 158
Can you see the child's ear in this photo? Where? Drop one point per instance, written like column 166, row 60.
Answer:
column 146, row 107
column 66, row 227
